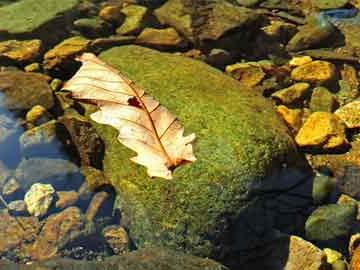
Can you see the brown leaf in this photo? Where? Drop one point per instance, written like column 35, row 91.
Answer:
column 144, row 125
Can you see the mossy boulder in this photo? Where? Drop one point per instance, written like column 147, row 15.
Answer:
column 33, row 18
column 240, row 142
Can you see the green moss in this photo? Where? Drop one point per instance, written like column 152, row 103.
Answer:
column 27, row 15
column 239, row 141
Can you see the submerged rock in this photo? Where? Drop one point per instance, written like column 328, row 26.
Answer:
column 330, row 222
column 13, row 234
column 58, row 230
column 39, row 198
column 23, row 90
column 117, row 238
column 206, row 198
column 66, row 199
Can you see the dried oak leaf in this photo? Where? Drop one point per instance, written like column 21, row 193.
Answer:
column 144, row 125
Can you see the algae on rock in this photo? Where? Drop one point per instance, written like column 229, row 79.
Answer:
column 240, row 141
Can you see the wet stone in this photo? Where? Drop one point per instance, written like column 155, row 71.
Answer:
column 161, row 38
column 4, row 173
column 247, row 74
column 22, row 51
column 350, row 114
column 292, row 117
column 112, row 14
column 39, row 199
column 117, row 238
column 135, row 20
column 96, row 204
column 293, row 94
column 66, row 199
column 93, row 27
column 36, row 115
column 322, row 100
column 330, row 222
column 314, row 72
column 23, row 90
column 12, row 234
column 59, row 229
column 18, row 207
column 315, row 31
column 322, row 130
column 10, row 187
column 64, row 52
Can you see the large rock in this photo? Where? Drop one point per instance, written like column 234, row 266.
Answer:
column 33, row 18
column 144, row 259
column 23, row 90
column 240, row 141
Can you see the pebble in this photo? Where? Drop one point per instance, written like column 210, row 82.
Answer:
column 39, row 198
column 117, row 238
column 350, row 114
column 314, row 72
column 322, row 130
